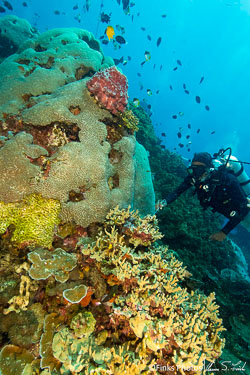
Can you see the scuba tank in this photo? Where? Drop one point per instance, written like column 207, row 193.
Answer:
column 236, row 166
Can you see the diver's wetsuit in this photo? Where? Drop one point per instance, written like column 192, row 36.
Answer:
column 221, row 191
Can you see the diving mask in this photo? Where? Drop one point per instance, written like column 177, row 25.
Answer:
column 197, row 170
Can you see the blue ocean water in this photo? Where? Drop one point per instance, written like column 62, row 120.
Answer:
column 210, row 38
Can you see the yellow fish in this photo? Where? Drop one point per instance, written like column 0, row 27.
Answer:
column 110, row 32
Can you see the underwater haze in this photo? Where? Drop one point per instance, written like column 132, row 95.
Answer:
column 209, row 38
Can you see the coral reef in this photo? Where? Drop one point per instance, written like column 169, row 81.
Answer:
column 109, row 88
column 217, row 267
column 45, row 264
column 34, row 219
column 55, row 141
column 13, row 32
column 128, row 119
column 140, row 319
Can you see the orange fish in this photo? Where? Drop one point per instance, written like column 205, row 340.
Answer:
column 110, row 32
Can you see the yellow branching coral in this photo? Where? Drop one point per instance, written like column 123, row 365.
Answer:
column 34, row 219
column 163, row 316
column 140, row 231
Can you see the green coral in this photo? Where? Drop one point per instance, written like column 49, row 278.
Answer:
column 76, row 294
column 34, row 219
column 83, row 324
column 57, row 263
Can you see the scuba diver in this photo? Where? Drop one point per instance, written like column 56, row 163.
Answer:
column 220, row 183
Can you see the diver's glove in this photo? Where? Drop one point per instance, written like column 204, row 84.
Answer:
column 160, row 205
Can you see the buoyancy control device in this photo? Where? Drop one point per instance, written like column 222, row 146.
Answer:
column 222, row 159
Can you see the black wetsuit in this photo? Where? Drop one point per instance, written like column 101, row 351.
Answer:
column 221, row 191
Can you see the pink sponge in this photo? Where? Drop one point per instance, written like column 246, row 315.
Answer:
column 110, row 88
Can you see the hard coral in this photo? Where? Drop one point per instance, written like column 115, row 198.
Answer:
column 34, row 219
column 110, row 88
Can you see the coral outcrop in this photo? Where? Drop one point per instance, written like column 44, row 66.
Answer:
column 138, row 319
column 110, row 89
column 13, row 32
column 55, row 141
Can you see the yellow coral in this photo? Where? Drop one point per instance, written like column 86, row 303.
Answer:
column 129, row 120
column 160, row 312
column 19, row 303
column 34, row 219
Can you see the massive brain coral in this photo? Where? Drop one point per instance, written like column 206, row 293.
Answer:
column 55, row 141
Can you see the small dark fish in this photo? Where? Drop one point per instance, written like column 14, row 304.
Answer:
column 179, row 62
column 189, row 126
column 118, row 61
column 87, row 5
column 186, row 92
column 171, row 88
column 2, row 10
column 175, row 68
column 164, row 15
column 105, row 41
column 207, row 107
column 202, row 79
column 158, row 41
column 7, row 5
column 213, row 132
column 120, row 39
column 174, row 117
column 129, row 58
column 24, row 4
column 56, row 12
column 141, row 86
column 157, row 92
column 184, row 86
column 187, row 136
column 179, row 134
column 163, row 134
column 188, row 149
column 143, row 63
column 138, row 14
column 105, row 18
column 139, row 74
column 75, row 7
column 180, row 145
column 198, row 99
column 198, row 131
column 149, row 37
column 161, row 67
column 149, row 106
column 154, row 66
column 143, row 28
column 162, row 146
